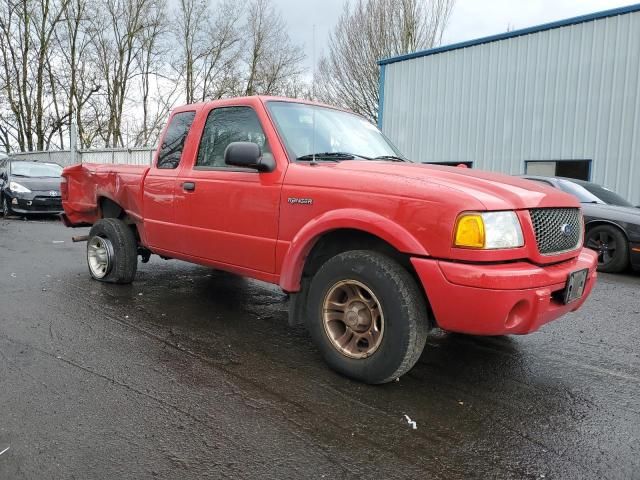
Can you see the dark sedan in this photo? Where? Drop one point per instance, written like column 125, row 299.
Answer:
column 28, row 186
column 612, row 224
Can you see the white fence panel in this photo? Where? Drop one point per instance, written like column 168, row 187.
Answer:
column 131, row 156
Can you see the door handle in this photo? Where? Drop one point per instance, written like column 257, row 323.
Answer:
column 189, row 186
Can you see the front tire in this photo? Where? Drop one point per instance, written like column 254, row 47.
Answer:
column 112, row 252
column 367, row 316
column 6, row 209
column 612, row 248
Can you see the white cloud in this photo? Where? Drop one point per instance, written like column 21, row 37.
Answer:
column 474, row 19
column 471, row 19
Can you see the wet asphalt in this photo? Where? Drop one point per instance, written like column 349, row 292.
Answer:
column 192, row 373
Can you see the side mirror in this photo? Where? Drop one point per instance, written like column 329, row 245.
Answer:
column 248, row 155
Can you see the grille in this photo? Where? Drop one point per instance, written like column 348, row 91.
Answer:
column 557, row 229
column 47, row 203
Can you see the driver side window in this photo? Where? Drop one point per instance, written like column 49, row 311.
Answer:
column 227, row 125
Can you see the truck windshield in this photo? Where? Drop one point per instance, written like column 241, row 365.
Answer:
column 321, row 133
column 34, row 169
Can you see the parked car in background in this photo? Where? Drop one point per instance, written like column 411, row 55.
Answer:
column 612, row 223
column 29, row 187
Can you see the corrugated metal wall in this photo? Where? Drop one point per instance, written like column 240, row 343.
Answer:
column 570, row 93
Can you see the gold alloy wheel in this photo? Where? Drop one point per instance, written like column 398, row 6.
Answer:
column 353, row 319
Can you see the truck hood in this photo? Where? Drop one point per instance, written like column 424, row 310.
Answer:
column 494, row 191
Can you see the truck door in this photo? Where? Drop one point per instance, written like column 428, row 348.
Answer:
column 160, row 182
column 229, row 215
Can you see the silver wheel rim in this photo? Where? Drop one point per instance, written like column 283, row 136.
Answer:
column 99, row 256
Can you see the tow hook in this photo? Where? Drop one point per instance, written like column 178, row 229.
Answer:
column 80, row 238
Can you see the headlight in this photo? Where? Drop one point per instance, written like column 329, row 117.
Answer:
column 488, row 230
column 16, row 187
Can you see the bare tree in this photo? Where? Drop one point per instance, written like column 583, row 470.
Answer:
column 118, row 42
column 150, row 65
column 368, row 32
column 76, row 71
column 272, row 60
column 117, row 67
column 26, row 31
column 209, row 47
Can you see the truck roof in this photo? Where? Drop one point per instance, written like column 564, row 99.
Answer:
column 261, row 98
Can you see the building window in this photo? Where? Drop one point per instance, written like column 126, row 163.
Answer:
column 578, row 169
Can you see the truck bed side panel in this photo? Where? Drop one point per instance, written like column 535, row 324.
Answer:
column 87, row 184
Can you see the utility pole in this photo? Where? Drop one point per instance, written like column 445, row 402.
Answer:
column 73, row 141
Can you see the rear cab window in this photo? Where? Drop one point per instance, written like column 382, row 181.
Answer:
column 173, row 140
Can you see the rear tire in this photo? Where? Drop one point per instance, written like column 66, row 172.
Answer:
column 367, row 316
column 112, row 252
column 612, row 247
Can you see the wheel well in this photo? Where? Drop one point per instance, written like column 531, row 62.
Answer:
column 110, row 209
column 338, row 241
column 603, row 223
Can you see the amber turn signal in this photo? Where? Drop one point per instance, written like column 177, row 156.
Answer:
column 470, row 231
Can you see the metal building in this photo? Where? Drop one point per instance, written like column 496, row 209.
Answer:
column 557, row 99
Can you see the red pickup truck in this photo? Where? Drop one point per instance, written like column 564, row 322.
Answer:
column 374, row 249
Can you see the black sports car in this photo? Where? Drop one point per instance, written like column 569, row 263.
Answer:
column 28, row 186
column 612, row 225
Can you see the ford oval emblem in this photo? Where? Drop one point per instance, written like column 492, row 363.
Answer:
column 566, row 229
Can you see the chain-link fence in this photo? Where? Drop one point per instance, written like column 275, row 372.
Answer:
column 127, row 156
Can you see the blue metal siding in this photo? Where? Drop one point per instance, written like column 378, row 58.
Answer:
column 516, row 33
column 380, row 95
column 566, row 93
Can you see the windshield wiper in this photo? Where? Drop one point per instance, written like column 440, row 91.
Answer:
column 392, row 158
column 333, row 156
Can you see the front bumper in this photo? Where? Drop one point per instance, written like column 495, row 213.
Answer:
column 35, row 203
column 500, row 299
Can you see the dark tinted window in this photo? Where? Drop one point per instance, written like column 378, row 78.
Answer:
column 604, row 194
column 173, row 141
column 581, row 193
column 227, row 125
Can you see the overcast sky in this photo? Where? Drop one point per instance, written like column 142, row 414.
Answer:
column 471, row 18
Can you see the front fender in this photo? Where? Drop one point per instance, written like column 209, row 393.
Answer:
column 348, row 218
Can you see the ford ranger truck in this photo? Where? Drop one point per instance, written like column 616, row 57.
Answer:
column 374, row 250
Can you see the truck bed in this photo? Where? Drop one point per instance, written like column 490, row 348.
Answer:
column 88, row 184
